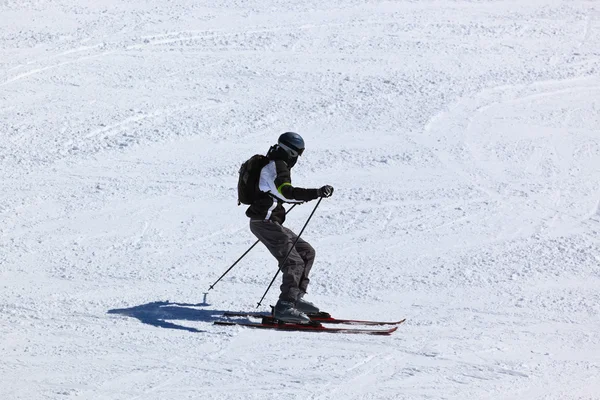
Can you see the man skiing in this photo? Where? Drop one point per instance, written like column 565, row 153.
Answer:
column 267, row 216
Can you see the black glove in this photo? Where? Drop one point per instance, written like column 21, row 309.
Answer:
column 325, row 191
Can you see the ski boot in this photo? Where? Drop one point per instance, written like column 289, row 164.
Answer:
column 285, row 311
column 306, row 306
column 309, row 308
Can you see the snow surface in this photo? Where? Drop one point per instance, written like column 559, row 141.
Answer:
column 462, row 138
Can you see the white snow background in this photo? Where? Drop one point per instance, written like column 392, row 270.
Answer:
column 462, row 139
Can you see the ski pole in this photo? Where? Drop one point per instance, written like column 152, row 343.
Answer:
column 289, row 252
column 243, row 255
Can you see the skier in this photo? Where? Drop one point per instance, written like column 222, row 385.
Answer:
column 267, row 216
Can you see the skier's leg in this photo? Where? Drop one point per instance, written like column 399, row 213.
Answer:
column 279, row 243
column 307, row 253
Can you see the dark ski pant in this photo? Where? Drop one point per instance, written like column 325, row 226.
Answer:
column 279, row 240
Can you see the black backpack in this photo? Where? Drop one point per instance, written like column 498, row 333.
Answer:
column 249, row 177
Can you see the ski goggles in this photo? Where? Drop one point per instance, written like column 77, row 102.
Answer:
column 291, row 151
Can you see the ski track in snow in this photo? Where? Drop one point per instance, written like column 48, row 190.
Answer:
column 462, row 140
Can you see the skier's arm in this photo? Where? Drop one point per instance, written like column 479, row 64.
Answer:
column 295, row 193
column 284, row 186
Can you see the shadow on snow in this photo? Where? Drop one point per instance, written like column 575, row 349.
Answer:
column 159, row 313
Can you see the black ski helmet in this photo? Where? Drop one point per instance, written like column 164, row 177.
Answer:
column 292, row 144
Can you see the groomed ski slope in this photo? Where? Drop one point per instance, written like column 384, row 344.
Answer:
column 463, row 142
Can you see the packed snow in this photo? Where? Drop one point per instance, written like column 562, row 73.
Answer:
column 463, row 141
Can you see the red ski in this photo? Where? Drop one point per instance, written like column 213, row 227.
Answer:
column 307, row 328
column 324, row 318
